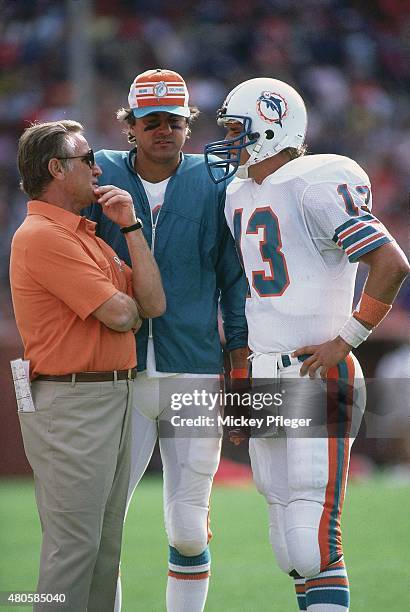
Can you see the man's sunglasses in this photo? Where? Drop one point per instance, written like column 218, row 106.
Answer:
column 88, row 158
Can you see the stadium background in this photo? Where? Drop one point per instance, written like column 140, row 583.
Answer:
column 76, row 59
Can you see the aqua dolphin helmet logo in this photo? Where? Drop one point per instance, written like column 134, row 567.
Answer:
column 271, row 107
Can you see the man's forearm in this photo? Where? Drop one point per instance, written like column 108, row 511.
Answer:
column 388, row 269
column 239, row 358
column 146, row 278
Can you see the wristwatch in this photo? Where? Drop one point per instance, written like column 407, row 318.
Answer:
column 131, row 228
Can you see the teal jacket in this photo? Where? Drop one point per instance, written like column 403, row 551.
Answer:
column 196, row 255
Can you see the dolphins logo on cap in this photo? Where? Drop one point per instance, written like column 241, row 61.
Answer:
column 160, row 89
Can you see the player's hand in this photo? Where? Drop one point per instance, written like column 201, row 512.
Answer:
column 238, row 436
column 238, row 382
column 117, row 204
column 323, row 356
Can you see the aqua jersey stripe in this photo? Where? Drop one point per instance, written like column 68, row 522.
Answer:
column 369, row 247
column 343, row 227
column 365, row 232
column 349, row 223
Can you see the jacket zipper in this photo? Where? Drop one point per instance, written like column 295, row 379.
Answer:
column 154, row 227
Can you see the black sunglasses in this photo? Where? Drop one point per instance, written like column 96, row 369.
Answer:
column 88, row 158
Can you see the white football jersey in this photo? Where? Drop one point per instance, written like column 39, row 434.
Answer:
column 299, row 236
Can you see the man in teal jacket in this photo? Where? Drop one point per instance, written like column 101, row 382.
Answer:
column 182, row 214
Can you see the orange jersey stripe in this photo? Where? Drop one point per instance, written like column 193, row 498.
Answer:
column 355, row 228
column 359, row 245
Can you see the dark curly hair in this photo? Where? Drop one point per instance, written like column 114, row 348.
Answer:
column 126, row 115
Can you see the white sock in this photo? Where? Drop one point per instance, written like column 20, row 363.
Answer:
column 188, row 581
column 186, row 595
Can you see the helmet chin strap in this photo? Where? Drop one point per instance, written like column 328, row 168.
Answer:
column 243, row 170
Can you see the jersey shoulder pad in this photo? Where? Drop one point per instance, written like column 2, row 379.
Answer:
column 314, row 169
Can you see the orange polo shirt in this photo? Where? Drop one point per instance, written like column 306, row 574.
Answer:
column 60, row 272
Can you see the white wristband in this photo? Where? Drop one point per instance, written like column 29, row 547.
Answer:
column 353, row 332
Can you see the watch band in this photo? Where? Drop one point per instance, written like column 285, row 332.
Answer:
column 131, row 228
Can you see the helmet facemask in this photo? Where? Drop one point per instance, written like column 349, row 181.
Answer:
column 229, row 150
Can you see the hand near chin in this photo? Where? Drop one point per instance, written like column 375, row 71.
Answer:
column 116, row 203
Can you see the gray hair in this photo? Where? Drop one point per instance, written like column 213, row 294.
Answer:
column 37, row 145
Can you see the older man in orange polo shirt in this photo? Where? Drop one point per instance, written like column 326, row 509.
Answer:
column 76, row 306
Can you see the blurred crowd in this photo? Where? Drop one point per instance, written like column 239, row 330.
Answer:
column 346, row 57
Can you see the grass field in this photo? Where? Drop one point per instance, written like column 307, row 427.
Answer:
column 244, row 575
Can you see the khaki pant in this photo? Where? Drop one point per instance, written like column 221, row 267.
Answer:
column 78, row 445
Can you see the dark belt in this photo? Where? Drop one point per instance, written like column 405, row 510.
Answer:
column 287, row 360
column 91, row 376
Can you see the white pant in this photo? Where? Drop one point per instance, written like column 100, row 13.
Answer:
column 189, row 463
column 303, row 477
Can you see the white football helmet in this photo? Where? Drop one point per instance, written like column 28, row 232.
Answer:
column 273, row 116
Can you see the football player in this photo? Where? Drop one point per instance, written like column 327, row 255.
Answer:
column 301, row 224
column 181, row 213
